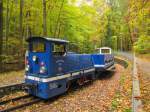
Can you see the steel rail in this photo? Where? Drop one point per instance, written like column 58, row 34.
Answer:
column 7, row 88
column 21, row 105
column 15, row 99
column 11, row 86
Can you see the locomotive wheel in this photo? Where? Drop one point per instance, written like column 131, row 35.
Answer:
column 80, row 81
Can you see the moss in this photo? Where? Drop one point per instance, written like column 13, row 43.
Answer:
column 127, row 110
column 122, row 79
column 114, row 104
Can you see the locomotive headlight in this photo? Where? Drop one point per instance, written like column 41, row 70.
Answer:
column 34, row 58
column 27, row 68
column 42, row 69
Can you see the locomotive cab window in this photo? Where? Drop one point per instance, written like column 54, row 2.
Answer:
column 58, row 49
column 38, row 47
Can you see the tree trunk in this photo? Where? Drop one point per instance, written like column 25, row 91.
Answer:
column 1, row 32
column 28, row 29
column 59, row 30
column 7, row 26
column 21, row 32
column 21, row 18
column 58, row 19
column 44, row 19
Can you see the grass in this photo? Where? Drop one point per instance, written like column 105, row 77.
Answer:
column 127, row 110
column 122, row 79
column 115, row 102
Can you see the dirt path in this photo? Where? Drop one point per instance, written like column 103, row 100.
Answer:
column 95, row 97
column 144, row 65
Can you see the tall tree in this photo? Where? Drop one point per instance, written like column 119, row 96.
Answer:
column 1, row 31
column 58, row 19
column 21, row 19
column 44, row 19
column 7, row 24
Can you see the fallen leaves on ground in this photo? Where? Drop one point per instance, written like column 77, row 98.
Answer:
column 122, row 100
column 14, row 77
column 145, row 89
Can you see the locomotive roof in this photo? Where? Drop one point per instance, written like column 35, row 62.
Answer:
column 48, row 39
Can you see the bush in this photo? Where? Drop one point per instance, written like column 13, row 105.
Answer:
column 142, row 46
column 7, row 59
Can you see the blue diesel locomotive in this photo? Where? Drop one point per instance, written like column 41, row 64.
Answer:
column 50, row 69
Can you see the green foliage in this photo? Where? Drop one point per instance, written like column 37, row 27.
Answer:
column 139, row 25
column 102, row 23
column 143, row 44
column 7, row 59
column 13, row 46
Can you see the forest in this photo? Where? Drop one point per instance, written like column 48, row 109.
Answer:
column 123, row 25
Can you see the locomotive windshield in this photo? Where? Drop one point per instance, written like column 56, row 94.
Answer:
column 38, row 47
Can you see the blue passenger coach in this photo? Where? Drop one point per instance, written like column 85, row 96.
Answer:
column 50, row 68
column 104, row 60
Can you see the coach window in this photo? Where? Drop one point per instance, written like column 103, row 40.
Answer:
column 58, row 49
column 105, row 51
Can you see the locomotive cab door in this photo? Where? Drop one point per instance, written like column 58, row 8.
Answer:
column 59, row 53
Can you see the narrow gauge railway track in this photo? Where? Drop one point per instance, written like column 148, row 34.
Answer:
column 23, row 99
column 15, row 99
column 9, row 88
